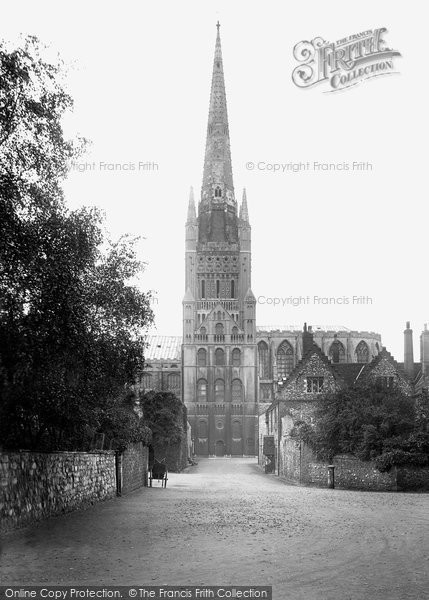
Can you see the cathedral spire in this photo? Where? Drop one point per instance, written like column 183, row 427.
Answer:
column 244, row 212
column 217, row 184
column 192, row 216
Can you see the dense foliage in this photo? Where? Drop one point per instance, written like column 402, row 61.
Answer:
column 70, row 321
column 372, row 423
column 164, row 415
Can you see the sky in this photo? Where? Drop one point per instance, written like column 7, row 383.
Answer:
column 140, row 74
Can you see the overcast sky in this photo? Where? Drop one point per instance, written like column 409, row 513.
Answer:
column 141, row 82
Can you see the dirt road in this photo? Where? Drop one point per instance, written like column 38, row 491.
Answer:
column 224, row 522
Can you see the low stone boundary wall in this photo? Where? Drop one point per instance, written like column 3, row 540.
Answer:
column 132, row 470
column 37, row 485
column 299, row 465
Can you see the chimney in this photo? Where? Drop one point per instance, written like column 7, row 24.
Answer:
column 408, row 350
column 424, row 349
column 307, row 339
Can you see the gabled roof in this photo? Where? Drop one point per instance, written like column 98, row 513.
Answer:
column 383, row 354
column 163, row 347
column 314, row 350
column 215, row 308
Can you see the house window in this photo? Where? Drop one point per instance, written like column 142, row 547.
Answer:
column 284, row 359
column 202, row 357
column 219, row 390
column 219, row 357
column 314, row 385
column 362, row 352
column 202, row 390
column 236, row 357
column 386, row 382
column 337, row 352
column 264, row 367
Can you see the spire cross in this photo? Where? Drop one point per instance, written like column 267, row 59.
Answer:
column 218, row 26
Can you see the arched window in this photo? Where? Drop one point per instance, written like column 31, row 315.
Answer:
column 218, row 192
column 219, row 357
column 236, row 429
column 202, row 390
column 236, row 357
column 219, row 390
column 284, row 359
column 362, row 352
column 203, row 289
column 337, row 352
column 202, row 357
column 264, row 367
column 237, row 390
column 232, row 288
column 218, row 329
column 202, row 429
column 174, row 382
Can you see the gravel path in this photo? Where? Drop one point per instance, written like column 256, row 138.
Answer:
column 224, row 522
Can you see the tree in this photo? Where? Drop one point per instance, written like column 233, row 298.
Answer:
column 71, row 323
column 370, row 422
column 164, row 415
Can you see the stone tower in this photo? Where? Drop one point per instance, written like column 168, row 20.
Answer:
column 219, row 330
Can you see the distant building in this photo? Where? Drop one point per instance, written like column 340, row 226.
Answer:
column 295, row 400
column 225, row 368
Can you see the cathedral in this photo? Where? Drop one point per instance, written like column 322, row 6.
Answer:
column 225, row 368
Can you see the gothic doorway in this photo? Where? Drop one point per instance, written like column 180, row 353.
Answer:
column 220, row 448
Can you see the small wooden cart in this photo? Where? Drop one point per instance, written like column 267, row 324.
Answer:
column 158, row 471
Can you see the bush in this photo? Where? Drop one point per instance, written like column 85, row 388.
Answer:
column 371, row 423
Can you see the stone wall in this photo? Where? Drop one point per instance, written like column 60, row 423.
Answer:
column 133, row 468
column 38, row 485
column 352, row 473
column 299, row 465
